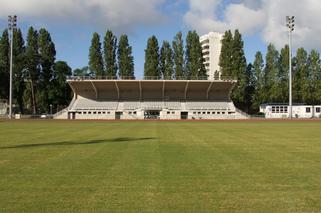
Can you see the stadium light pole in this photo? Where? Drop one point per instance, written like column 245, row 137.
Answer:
column 290, row 25
column 12, row 24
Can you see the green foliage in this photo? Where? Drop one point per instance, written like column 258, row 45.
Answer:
column 35, row 79
column 300, row 77
column 166, row 61
column 233, row 65
column 4, row 65
column 32, row 67
column 84, row 71
column 151, row 67
column 110, row 48
column 125, row 58
column 238, row 62
column 225, row 61
column 259, row 82
column 95, row 57
column 19, row 61
column 314, row 78
column 283, row 76
column 47, row 55
column 61, row 92
column 194, row 57
column 271, row 74
column 178, row 55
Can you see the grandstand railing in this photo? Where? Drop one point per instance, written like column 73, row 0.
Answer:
column 146, row 78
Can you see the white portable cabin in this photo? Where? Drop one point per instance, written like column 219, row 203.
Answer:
column 298, row 111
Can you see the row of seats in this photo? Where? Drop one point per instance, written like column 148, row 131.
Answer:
column 132, row 105
column 81, row 104
column 152, row 105
column 207, row 105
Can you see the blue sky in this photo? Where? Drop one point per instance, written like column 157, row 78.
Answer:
column 72, row 25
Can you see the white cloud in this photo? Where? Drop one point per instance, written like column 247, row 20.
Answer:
column 120, row 14
column 266, row 17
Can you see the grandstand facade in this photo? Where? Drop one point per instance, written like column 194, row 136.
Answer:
column 150, row 99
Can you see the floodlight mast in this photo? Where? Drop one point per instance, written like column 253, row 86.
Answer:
column 290, row 25
column 12, row 25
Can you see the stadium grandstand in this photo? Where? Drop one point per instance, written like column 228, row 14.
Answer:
column 150, row 99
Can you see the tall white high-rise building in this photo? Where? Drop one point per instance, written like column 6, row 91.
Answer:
column 211, row 45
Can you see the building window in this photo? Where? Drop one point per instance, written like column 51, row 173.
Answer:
column 307, row 109
column 173, row 113
column 318, row 110
column 108, row 113
column 213, row 113
column 99, row 113
column 168, row 113
column 223, row 113
column 104, row 112
column 135, row 113
column 130, row 113
column 194, row 113
column 208, row 113
column 89, row 113
column 273, row 109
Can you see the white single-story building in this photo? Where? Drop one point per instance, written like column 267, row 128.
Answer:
column 298, row 111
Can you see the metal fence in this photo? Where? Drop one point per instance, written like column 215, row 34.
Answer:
column 145, row 78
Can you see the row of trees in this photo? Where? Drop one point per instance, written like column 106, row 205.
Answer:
column 267, row 81
column 174, row 61
column 114, row 61
column 38, row 80
column 170, row 61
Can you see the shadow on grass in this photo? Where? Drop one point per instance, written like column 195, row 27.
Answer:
column 71, row 143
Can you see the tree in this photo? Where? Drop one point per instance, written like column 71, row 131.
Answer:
column 314, row 70
column 84, row 71
column 283, row 75
column 226, row 55
column 194, row 57
column 239, row 71
column 166, row 61
column 61, row 90
column 18, row 68
column 125, row 58
column 259, row 83
column 4, row 65
column 271, row 74
column 32, row 67
column 95, row 57
column 301, row 76
column 110, row 48
column 249, row 90
column 47, row 56
column 238, row 62
column 178, row 55
column 151, row 67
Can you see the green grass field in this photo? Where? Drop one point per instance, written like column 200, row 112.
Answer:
column 61, row 166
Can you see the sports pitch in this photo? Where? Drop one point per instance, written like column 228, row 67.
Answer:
column 62, row 166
